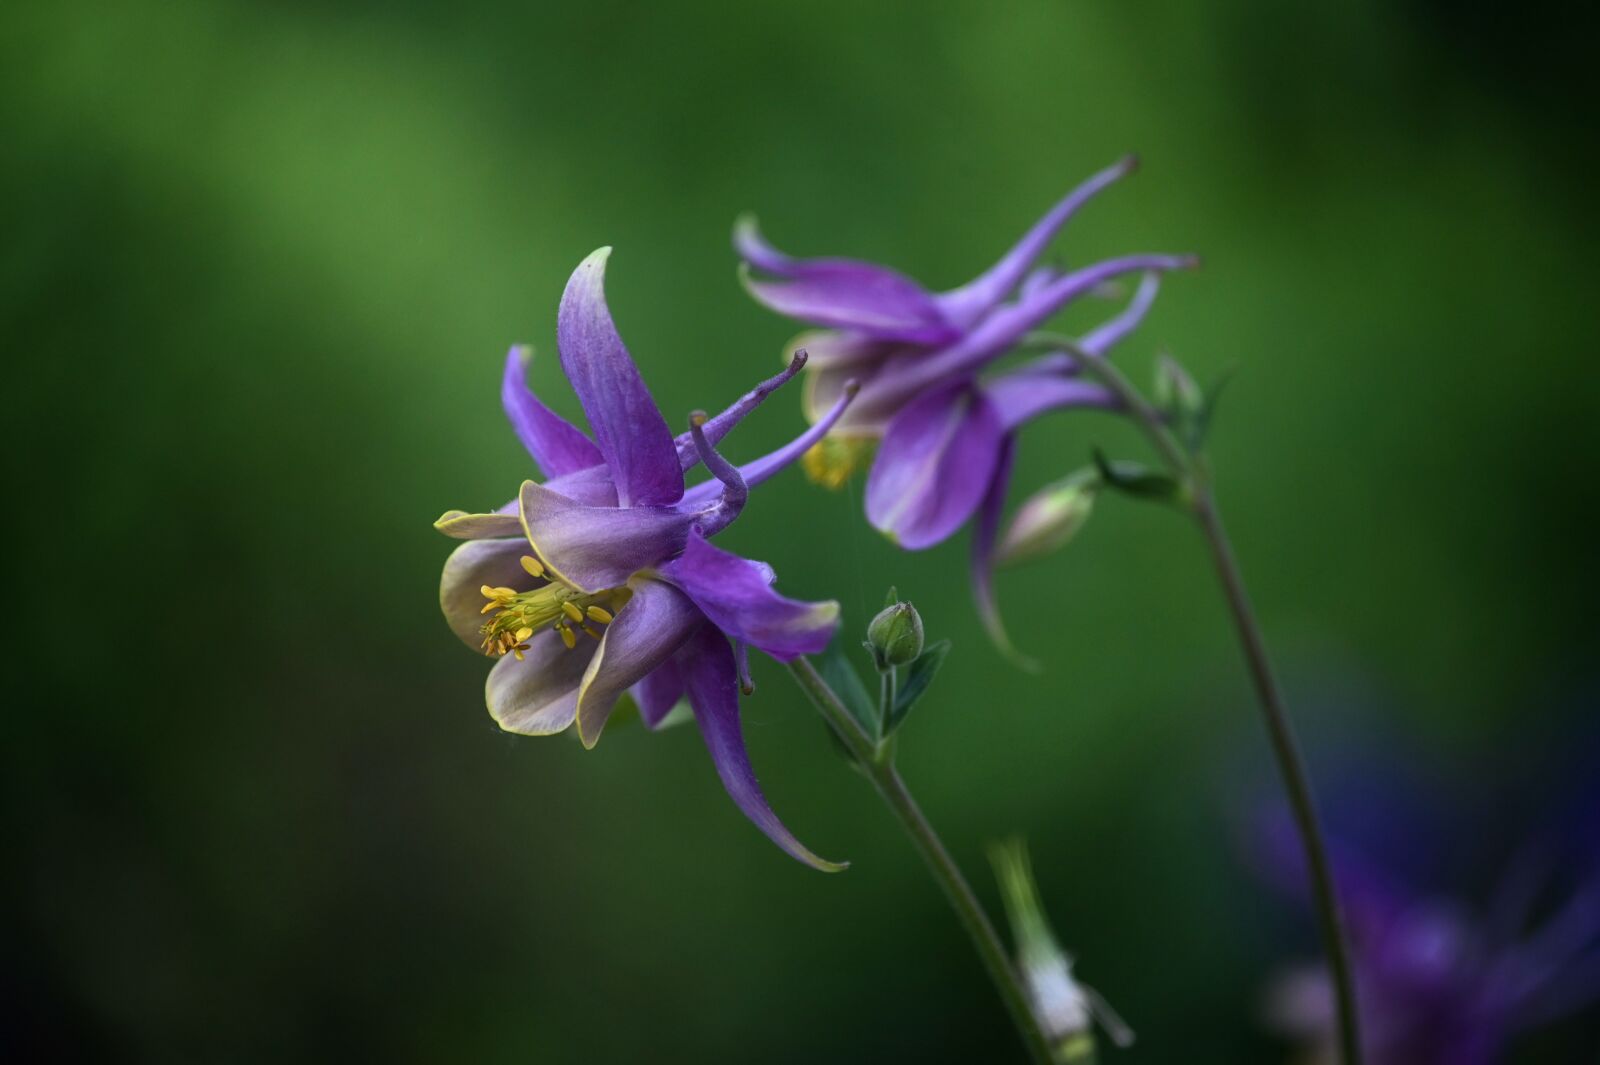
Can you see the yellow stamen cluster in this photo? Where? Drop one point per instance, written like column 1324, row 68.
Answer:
column 553, row 604
column 834, row 459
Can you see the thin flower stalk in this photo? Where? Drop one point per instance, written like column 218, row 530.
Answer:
column 868, row 754
column 1195, row 479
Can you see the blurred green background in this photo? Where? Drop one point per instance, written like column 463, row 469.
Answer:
column 260, row 265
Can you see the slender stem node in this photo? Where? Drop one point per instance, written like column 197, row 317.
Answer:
column 886, row 778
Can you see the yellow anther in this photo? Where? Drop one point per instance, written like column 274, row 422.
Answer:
column 518, row 652
column 515, row 618
column 832, row 460
column 534, row 567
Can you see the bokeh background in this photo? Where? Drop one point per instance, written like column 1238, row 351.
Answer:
column 259, row 265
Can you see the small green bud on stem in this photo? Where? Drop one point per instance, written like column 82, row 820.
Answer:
column 895, row 636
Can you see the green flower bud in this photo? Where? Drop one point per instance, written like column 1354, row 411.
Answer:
column 895, row 635
column 1048, row 519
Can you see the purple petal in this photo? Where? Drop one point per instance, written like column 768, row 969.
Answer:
column 658, row 693
column 975, row 299
column 903, row 377
column 1103, row 338
column 459, row 525
column 1057, row 363
column 736, row 594
column 647, row 631
column 591, row 486
column 557, row 446
column 754, row 249
column 773, row 462
column 628, row 427
column 706, row 663
column 1024, row 395
column 937, row 458
column 1036, row 280
column 982, row 567
column 538, row 696
column 470, row 567
column 719, row 427
column 872, row 300
column 594, row 548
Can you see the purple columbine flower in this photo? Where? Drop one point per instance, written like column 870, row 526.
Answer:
column 1438, row 983
column 943, row 426
column 602, row 580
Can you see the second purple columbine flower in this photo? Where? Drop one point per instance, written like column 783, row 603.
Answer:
column 935, row 419
column 603, row 581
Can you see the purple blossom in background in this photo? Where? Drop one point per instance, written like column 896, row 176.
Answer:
column 602, row 580
column 944, row 428
column 1438, row 983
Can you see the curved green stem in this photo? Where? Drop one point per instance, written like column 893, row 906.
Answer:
column 1292, row 767
column 886, row 778
column 1196, row 476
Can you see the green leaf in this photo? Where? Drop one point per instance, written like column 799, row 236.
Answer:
column 1200, row 425
column 892, row 598
column 1176, row 391
column 919, row 675
column 1137, row 480
column 846, row 683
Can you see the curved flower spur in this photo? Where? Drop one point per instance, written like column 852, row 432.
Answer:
column 602, row 580
column 947, row 433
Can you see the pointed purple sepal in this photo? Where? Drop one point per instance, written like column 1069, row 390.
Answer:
column 707, row 665
column 1104, row 337
column 976, row 298
column 996, row 334
column 658, row 693
column 937, row 458
column 868, row 299
column 628, row 428
column 842, row 293
column 736, row 594
column 557, row 446
column 984, row 532
column 1021, row 396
